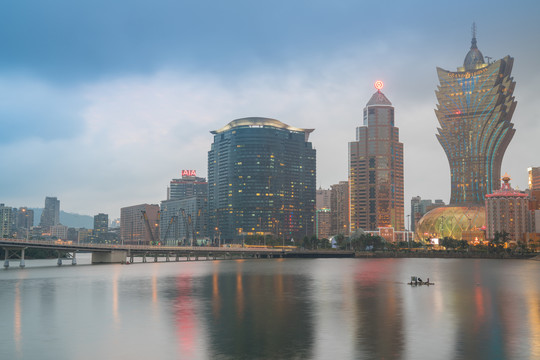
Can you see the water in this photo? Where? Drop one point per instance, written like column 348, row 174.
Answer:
column 272, row 309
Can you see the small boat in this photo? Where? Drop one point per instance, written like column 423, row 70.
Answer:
column 417, row 282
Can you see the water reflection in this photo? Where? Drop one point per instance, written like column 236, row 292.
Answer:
column 379, row 329
column 287, row 309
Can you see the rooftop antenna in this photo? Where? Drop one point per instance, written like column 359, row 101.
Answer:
column 473, row 41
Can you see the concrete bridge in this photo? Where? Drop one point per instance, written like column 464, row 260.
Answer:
column 109, row 254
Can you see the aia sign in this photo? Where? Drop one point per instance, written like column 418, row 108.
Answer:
column 189, row 173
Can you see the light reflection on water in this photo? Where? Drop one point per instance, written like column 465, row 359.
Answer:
column 272, row 308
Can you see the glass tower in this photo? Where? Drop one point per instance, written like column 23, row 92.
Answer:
column 475, row 107
column 261, row 178
column 376, row 169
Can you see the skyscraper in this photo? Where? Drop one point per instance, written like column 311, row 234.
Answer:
column 51, row 213
column 475, row 107
column 376, row 169
column 261, row 177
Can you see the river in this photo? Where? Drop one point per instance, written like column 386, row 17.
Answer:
column 272, row 309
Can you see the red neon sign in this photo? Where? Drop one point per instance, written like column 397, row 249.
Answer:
column 189, row 173
column 379, row 85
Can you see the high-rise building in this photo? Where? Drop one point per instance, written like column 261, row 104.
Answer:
column 323, row 224
column 376, row 169
column 184, row 215
column 322, row 198
column 101, row 224
column 139, row 224
column 188, row 185
column 534, row 178
column 508, row 210
column 25, row 218
column 51, row 213
column 261, row 176
column 5, row 221
column 420, row 207
column 339, row 205
column 475, row 108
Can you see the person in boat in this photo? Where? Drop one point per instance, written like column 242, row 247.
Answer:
column 420, row 280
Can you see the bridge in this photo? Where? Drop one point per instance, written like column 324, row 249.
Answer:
column 108, row 254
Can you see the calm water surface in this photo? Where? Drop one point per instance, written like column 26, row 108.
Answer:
column 272, row 309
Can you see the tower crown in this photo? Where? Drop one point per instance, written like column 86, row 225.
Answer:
column 474, row 58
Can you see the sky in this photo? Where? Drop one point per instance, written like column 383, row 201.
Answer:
column 103, row 102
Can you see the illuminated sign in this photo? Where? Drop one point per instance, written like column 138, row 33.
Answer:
column 467, row 74
column 189, row 173
column 379, row 85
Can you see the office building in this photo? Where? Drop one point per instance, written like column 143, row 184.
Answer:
column 323, row 220
column 261, row 177
column 420, row 207
column 101, row 225
column 339, row 205
column 376, row 169
column 25, row 218
column 51, row 213
column 188, row 185
column 5, row 221
column 139, row 224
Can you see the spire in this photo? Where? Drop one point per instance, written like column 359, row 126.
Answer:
column 473, row 41
column 474, row 58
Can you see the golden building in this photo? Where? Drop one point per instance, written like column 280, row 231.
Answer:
column 376, row 169
column 475, row 108
column 339, row 205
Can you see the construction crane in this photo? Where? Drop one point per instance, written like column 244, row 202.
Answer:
column 149, row 228
column 186, row 225
column 168, row 228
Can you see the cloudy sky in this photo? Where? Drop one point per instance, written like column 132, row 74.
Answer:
column 103, row 102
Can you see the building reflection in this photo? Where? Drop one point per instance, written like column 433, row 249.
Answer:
column 256, row 315
column 379, row 330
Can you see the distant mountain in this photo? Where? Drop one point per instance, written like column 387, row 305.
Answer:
column 68, row 219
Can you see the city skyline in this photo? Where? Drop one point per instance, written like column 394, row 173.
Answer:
column 106, row 121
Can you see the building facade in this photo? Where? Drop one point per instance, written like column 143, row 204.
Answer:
column 419, row 207
column 188, row 185
column 376, row 169
column 101, row 224
column 5, row 221
column 475, row 108
column 139, row 224
column 508, row 210
column 25, row 218
column 51, row 213
column 261, row 177
column 339, row 205
column 184, row 221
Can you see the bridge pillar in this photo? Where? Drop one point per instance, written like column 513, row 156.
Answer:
column 167, row 257
column 131, row 258
column 6, row 261
column 188, row 257
column 59, row 262
column 207, row 256
column 74, row 258
column 196, row 257
column 155, row 258
column 177, row 257
column 22, row 264
column 144, row 258
column 110, row 257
